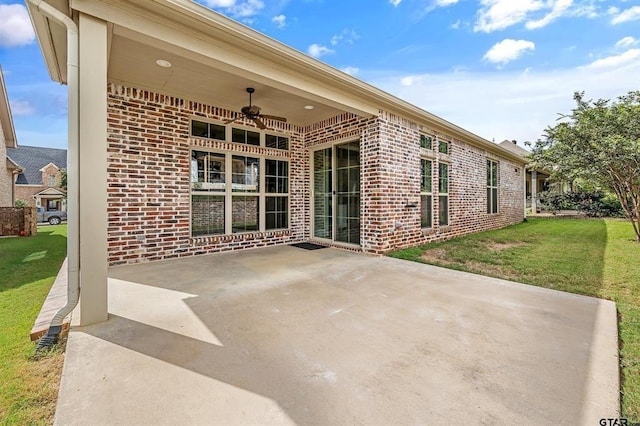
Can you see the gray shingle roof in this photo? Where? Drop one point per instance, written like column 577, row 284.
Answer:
column 33, row 158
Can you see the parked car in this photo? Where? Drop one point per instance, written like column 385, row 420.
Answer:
column 54, row 217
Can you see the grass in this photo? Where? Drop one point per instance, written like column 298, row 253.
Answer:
column 28, row 383
column 591, row 257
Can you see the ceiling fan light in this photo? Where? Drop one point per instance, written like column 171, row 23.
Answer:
column 163, row 63
column 309, row 107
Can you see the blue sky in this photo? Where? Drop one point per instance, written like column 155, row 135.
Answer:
column 502, row 69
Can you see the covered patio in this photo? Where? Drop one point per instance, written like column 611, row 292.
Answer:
column 282, row 335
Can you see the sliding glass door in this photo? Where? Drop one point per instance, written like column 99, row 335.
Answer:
column 336, row 193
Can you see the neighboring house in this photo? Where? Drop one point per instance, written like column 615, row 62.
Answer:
column 537, row 180
column 10, row 168
column 39, row 183
column 164, row 172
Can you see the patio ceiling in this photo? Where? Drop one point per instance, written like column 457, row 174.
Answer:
column 132, row 61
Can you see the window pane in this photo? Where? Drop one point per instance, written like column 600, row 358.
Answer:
column 245, row 174
column 425, row 211
column 278, row 142
column 489, row 203
column 253, row 138
column 425, row 142
column 277, row 212
column 443, row 181
column 443, row 210
column 237, row 135
column 199, row 129
column 216, row 131
column 494, row 174
column 488, row 173
column 426, row 176
column 245, row 213
column 494, row 200
column 207, row 171
column 277, row 176
column 443, row 147
column 207, row 215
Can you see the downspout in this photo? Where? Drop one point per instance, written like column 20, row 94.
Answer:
column 73, row 166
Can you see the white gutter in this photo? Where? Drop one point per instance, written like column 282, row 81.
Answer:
column 73, row 166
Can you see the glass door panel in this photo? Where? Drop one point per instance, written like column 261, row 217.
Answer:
column 347, row 213
column 322, row 193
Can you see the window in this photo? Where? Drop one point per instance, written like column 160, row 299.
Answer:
column 277, row 198
column 443, row 147
column 202, row 129
column 426, row 142
column 278, row 142
column 492, row 186
column 51, row 180
column 443, row 196
column 245, row 136
column 426, row 201
column 228, row 194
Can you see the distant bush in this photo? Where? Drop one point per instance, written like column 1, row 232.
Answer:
column 592, row 204
column 21, row 203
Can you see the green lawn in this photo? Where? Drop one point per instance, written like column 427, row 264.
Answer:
column 28, row 383
column 592, row 257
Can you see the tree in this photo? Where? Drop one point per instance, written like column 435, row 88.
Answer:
column 598, row 142
column 63, row 179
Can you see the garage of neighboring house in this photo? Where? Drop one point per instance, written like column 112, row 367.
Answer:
column 176, row 159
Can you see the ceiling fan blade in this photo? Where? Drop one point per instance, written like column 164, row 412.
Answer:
column 259, row 123
column 273, row 117
column 237, row 117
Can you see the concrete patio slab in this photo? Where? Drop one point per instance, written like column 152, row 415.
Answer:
column 282, row 335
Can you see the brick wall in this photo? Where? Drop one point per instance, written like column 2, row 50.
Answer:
column 14, row 220
column 149, row 190
column 148, row 178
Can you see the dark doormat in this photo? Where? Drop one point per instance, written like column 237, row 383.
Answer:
column 308, row 246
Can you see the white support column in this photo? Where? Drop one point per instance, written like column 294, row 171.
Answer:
column 534, row 192
column 93, row 170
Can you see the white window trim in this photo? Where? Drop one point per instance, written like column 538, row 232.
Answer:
column 497, row 187
column 229, row 133
column 446, row 194
column 422, row 193
column 228, row 193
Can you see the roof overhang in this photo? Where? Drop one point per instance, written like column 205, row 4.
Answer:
column 215, row 58
column 6, row 119
column 13, row 166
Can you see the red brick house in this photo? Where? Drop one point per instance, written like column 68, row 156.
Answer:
column 169, row 166
column 10, row 168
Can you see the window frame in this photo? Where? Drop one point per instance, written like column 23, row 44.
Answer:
column 423, row 137
column 444, row 194
column 229, row 130
column 446, row 144
column 493, row 183
column 426, row 193
column 228, row 192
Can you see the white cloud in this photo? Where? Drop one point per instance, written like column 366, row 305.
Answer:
column 508, row 50
column 16, row 29
column 500, row 14
column 22, row 108
column 317, row 50
column 280, row 21
column 509, row 104
column 616, row 60
column 395, row 3
column 348, row 36
column 631, row 14
column 456, row 25
column 351, row 70
column 559, row 9
column 445, row 3
column 626, row 42
column 242, row 9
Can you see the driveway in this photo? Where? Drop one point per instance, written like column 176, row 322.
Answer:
column 283, row 335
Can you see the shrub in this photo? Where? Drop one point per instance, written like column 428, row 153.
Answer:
column 21, row 203
column 592, row 204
